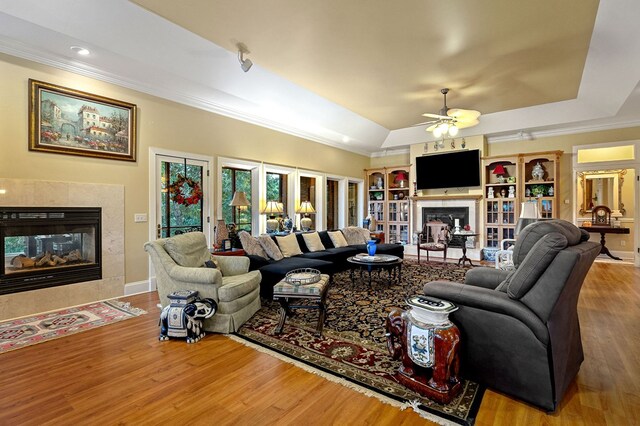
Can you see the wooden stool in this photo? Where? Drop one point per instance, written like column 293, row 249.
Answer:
column 283, row 291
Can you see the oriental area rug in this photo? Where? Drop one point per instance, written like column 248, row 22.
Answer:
column 27, row 331
column 353, row 348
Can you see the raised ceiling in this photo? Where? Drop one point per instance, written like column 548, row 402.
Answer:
column 387, row 61
column 355, row 74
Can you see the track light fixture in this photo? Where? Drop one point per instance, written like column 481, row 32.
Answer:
column 245, row 64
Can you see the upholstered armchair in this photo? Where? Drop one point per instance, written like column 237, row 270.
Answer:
column 179, row 264
column 435, row 236
column 520, row 332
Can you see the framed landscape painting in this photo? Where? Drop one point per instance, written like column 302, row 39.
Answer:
column 68, row 121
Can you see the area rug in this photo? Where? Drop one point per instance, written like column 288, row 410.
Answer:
column 353, row 348
column 21, row 332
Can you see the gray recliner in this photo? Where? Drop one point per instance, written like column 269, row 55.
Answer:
column 520, row 332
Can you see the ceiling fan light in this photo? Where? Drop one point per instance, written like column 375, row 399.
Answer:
column 453, row 130
column 437, row 132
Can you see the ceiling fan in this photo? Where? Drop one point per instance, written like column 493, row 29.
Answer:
column 450, row 120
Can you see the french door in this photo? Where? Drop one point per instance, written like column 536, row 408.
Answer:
column 182, row 195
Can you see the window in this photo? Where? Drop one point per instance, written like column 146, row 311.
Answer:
column 234, row 180
column 352, row 219
column 277, row 189
column 308, row 193
column 332, row 204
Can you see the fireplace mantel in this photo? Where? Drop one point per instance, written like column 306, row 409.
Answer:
column 476, row 197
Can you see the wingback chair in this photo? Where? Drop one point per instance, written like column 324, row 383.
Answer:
column 520, row 332
column 179, row 265
column 435, row 236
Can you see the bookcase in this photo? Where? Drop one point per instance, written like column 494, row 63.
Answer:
column 388, row 201
column 511, row 180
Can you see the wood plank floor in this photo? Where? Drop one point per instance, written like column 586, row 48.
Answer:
column 122, row 374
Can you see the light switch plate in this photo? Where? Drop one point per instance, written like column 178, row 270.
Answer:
column 140, row 217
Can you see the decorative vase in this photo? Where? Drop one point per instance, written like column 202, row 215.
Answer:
column 221, row 232
column 380, row 184
column 371, row 247
column 538, row 172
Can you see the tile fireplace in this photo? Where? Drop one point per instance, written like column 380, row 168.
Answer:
column 49, row 246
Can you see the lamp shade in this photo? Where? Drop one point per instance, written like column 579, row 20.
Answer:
column 273, row 207
column 529, row 210
column 499, row 170
column 239, row 199
column 306, row 207
column 401, row 176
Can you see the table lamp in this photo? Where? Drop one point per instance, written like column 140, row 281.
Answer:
column 239, row 200
column 306, row 208
column 401, row 177
column 272, row 208
column 499, row 171
column 528, row 214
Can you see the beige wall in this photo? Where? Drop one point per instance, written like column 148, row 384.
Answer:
column 161, row 124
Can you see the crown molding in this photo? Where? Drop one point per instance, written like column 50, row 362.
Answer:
column 24, row 52
column 585, row 128
column 389, row 152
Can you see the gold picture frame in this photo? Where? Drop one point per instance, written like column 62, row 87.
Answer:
column 68, row 121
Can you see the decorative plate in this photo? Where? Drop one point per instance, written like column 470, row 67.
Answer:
column 302, row 276
column 365, row 258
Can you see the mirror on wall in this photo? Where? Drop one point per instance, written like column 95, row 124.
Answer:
column 601, row 188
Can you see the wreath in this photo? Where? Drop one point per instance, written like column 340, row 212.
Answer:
column 185, row 191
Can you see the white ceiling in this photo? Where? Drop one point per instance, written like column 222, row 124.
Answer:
column 350, row 76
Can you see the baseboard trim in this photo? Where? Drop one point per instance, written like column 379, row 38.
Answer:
column 137, row 287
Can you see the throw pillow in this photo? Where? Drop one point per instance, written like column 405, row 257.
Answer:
column 270, row 247
column 337, row 238
column 355, row 236
column 313, row 242
column 251, row 245
column 289, row 245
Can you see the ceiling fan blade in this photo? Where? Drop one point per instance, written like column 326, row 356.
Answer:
column 463, row 114
column 430, row 128
column 424, row 122
column 465, row 124
column 436, row 116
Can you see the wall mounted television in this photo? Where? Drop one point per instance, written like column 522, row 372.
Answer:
column 451, row 170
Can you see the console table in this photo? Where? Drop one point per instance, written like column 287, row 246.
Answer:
column 602, row 230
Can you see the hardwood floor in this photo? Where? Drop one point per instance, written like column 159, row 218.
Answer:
column 122, row 374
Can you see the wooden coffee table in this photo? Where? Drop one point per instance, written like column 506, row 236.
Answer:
column 381, row 262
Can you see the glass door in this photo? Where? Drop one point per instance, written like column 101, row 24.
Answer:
column 182, row 196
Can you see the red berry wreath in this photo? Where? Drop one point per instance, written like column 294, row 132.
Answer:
column 185, row 191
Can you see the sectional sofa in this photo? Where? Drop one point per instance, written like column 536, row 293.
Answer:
column 327, row 258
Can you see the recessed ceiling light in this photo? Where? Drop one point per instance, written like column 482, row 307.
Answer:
column 345, row 139
column 80, row 50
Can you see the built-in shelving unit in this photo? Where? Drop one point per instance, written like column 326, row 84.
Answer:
column 511, row 180
column 388, row 201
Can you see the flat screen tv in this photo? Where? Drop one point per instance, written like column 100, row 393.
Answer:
column 451, row 170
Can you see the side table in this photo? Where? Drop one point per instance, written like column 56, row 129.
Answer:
column 464, row 235
column 232, row 252
column 317, row 292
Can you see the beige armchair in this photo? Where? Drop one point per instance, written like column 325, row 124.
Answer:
column 179, row 264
